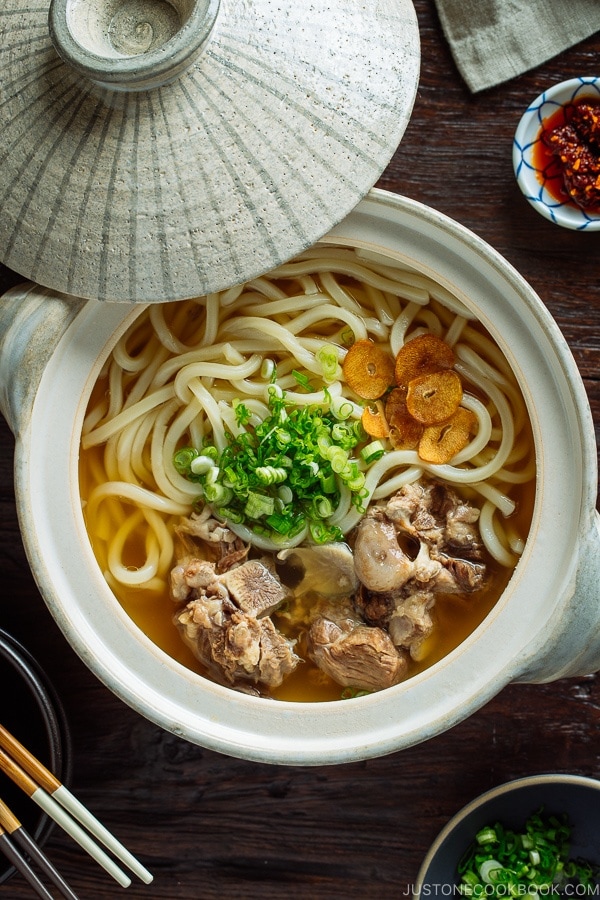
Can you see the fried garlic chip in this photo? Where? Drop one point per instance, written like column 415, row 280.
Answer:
column 441, row 442
column 374, row 421
column 404, row 431
column 368, row 369
column 420, row 356
column 434, row 398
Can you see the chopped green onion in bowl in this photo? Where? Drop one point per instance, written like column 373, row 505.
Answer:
column 532, row 862
column 571, row 801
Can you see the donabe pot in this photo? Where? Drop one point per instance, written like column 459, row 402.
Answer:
column 544, row 627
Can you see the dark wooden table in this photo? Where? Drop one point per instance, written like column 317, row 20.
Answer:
column 213, row 827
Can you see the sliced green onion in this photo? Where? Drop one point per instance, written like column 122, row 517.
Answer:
column 282, row 437
column 271, row 474
column 338, row 458
column 324, row 442
column 323, row 507
column 267, row 368
column 231, row 515
column 486, row 836
column 303, row 380
column 533, row 862
column 340, row 433
column 372, row 452
column 217, row 494
column 258, row 505
column 328, row 482
column 279, row 523
column 285, row 494
column 341, row 408
column 357, row 483
column 183, row 459
column 321, row 534
column 327, row 356
column 242, row 413
column 284, row 474
column 201, row 464
column 212, row 474
column 488, row 869
column 349, row 693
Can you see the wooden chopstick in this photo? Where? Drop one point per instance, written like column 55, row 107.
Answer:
column 14, row 829
column 21, row 865
column 43, row 799
column 53, row 789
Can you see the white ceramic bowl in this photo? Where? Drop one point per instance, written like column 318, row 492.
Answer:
column 545, row 626
column 530, row 176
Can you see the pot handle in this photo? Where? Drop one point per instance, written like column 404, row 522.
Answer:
column 570, row 645
column 32, row 321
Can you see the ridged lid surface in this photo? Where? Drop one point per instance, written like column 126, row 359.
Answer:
column 286, row 118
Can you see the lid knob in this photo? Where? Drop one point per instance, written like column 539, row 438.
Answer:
column 131, row 45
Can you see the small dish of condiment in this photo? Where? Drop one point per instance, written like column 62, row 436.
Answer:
column 556, row 154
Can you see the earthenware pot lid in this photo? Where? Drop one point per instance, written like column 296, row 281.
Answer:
column 257, row 127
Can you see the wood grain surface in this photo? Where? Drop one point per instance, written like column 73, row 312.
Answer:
column 213, row 827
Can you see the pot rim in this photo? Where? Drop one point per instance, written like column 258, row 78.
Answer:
column 331, row 732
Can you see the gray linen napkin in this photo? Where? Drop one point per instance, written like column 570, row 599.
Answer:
column 494, row 40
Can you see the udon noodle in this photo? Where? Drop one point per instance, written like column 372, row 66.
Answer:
column 177, row 376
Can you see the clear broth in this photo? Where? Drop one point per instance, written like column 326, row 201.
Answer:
column 455, row 616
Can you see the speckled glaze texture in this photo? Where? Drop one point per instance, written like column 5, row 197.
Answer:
column 283, row 121
column 131, row 45
column 545, row 626
column 32, row 322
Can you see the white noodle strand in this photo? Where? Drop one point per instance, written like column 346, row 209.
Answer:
column 491, row 538
column 175, row 378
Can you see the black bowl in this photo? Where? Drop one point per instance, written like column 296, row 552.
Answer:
column 512, row 803
column 31, row 710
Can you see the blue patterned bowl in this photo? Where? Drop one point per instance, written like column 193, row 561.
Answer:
column 532, row 175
